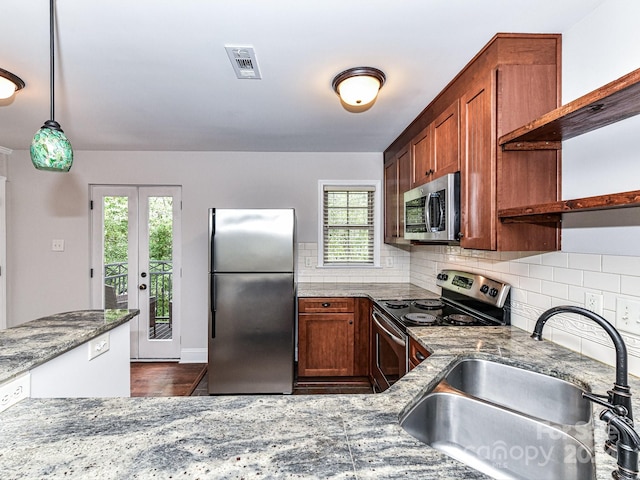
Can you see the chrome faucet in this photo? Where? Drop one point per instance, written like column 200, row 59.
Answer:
column 623, row 441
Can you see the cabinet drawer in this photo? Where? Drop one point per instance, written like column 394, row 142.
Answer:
column 325, row 305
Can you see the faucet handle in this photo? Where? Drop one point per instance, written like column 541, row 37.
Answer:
column 598, row 398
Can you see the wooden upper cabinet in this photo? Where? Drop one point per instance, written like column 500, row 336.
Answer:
column 478, row 179
column 435, row 151
column 446, row 141
column 422, row 157
column 512, row 80
column 397, row 180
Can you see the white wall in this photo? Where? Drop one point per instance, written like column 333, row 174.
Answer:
column 596, row 51
column 600, row 251
column 44, row 205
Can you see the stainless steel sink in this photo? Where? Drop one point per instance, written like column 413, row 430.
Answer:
column 532, row 393
column 496, row 441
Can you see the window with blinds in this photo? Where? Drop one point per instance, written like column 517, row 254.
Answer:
column 348, row 236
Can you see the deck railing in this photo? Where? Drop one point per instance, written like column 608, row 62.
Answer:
column 160, row 283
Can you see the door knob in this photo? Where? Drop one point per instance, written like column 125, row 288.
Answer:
column 143, row 286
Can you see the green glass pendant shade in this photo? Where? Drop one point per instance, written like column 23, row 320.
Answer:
column 51, row 149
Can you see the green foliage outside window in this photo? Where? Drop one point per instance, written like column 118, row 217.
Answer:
column 116, row 231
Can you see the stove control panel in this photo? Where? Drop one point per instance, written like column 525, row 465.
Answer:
column 474, row 285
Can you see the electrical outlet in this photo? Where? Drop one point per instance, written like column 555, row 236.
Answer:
column 593, row 302
column 628, row 315
column 389, row 262
column 15, row 390
column 99, row 345
column 57, row 245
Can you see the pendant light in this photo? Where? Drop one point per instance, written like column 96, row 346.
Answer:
column 50, row 148
column 359, row 86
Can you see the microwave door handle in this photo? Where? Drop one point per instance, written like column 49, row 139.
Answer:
column 441, row 208
column 435, row 196
column 427, row 212
column 393, row 337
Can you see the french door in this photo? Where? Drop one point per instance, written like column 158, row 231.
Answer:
column 135, row 262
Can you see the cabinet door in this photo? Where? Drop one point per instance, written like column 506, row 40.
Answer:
column 397, row 180
column 446, row 141
column 391, row 201
column 422, row 156
column 417, row 353
column 325, row 344
column 478, row 167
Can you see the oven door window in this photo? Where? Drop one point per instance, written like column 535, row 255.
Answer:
column 415, row 215
column 388, row 361
column 390, row 352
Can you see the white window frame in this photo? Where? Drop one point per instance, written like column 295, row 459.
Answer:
column 377, row 219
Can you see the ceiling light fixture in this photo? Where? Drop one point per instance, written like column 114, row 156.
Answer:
column 50, row 148
column 9, row 84
column 359, row 86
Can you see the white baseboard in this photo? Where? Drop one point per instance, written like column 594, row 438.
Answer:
column 193, row 355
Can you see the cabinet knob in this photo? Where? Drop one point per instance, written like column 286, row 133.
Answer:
column 325, row 305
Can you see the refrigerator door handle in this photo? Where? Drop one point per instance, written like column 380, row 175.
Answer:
column 212, row 294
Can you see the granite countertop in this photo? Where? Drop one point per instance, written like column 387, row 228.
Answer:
column 274, row 437
column 375, row 291
column 33, row 343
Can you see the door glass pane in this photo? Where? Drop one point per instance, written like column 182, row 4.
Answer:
column 116, row 249
column 160, row 267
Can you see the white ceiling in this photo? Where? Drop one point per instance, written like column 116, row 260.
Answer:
column 154, row 74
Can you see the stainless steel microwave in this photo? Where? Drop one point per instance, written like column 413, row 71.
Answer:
column 432, row 211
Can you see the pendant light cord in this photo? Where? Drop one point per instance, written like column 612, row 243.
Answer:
column 51, row 56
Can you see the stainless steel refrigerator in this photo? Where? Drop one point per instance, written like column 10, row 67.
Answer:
column 252, row 294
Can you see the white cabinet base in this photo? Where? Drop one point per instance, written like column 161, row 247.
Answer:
column 98, row 368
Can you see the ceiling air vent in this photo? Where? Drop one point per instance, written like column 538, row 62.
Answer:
column 244, row 62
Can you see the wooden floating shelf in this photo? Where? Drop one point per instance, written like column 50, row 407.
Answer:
column 611, row 103
column 551, row 212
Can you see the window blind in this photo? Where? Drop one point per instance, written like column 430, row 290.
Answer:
column 348, row 219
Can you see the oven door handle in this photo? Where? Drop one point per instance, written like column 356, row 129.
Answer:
column 393, row 337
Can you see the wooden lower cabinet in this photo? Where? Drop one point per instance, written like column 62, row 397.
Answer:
column 417, row 353
column 333, row 337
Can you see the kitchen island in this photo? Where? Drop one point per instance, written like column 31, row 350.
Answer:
column 272, row 437
column 34, row 343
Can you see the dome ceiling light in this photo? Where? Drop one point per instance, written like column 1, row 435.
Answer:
column 359, row 86
column 50, row 148
column 9, row 84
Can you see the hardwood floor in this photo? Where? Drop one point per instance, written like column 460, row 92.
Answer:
column 165, row 379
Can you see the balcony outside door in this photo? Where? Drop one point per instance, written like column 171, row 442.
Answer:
column 136, row 262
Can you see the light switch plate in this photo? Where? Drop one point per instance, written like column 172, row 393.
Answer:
column 99, row 345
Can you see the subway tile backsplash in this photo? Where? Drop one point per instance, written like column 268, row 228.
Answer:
column 394, row 267
column 544, row 280
column 539, row 281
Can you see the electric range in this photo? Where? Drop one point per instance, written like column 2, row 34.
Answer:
column 467, row 299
